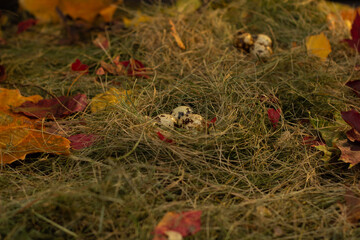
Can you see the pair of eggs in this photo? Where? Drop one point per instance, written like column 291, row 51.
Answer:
column 181, row 117
column 258, row 45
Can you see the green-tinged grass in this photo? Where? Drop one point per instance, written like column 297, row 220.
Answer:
column 122, row 186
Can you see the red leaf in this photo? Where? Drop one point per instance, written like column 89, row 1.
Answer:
column 352, row 118
column 3, row 75
column 353, row 135
column 80, row 141
column 163, row 138
column 355, row 34
column 185, row 223
column 100, row 71
column 212, row 121
column 57, row 107
column 274, row 116
column 23, row 26
column 355, row 86
column 312, row 141
column 79, row 67
column 134, row 67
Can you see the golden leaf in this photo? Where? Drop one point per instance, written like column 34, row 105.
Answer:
column 139, row 18
column 318, row 45
column 13, row 98
column 109, row 98
column 43, row 10
column 174, row 33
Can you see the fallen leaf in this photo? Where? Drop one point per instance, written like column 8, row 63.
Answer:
column 100, row 71
column 318, row 45
column 312, row 141
column 172, row 235
column 350, row 152
column 101, row 41
column 355, row 34
column 185, row 223
column 132, row 67
column 19, row 137
column 355, row 86
column 353, row 135
column 138, row 19
column 12, row 98
column 163, row 138
column 80, row 141
column 43, row 10
column 23, row 26
column 327, row 151
column 175, row 34
column 352, row 118
column 274, row 116
column 109, row 98
column 108, row 12
column 56, row 107
column 352, row 203
column 77, row 66
column 3, row 75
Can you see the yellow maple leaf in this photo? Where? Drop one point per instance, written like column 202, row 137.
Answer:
column 19, row 137
column 88, row 10
column 109, row 98
column 12, row 98
column 318, row 45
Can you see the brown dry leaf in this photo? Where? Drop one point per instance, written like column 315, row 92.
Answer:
column 13, row 98
column 175, row 34
column 19, row 137
column 350, row 152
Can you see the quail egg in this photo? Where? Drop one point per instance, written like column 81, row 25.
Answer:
column 261, row 51
column 263, row 40
column 165, row 120
column 243, row 41
column 181, row 111
column 192, row 121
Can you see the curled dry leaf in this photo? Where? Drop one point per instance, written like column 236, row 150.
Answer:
column 23, row 26
column 185, row 223
column 350, row 152
column 175, row 34
column 318, row 45
column 132, row 67
column 57, row 107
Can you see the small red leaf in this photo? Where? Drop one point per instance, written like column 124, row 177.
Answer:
column 212, row 122
column 355, row 34
column 352, row 118
column 2, row 73
column 163, row 138
column 80, row 141
column 23, row 26
column 77, row 66
column 185, row 223
column 58, row 107
column 134, row 67
column 274, row 116
column 355, row 86
column 100, row 71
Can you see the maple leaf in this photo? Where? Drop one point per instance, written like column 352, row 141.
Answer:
column 274, row 116
column 57, row 107
column 318, row 45
column 19, row 137
column 355, row 86
column 80, row 141
column 3, row 75
column 350, row 152
column 23, row 26
column 185, row 223
column 77, row 66
column 355, row 34
column 12, row 98
column 109, row 98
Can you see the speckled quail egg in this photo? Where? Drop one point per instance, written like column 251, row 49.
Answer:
column 262, row 39
column 243, row 41
column 261, row 51
column 178, row 112
column 165, row 120
column 192, row 121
